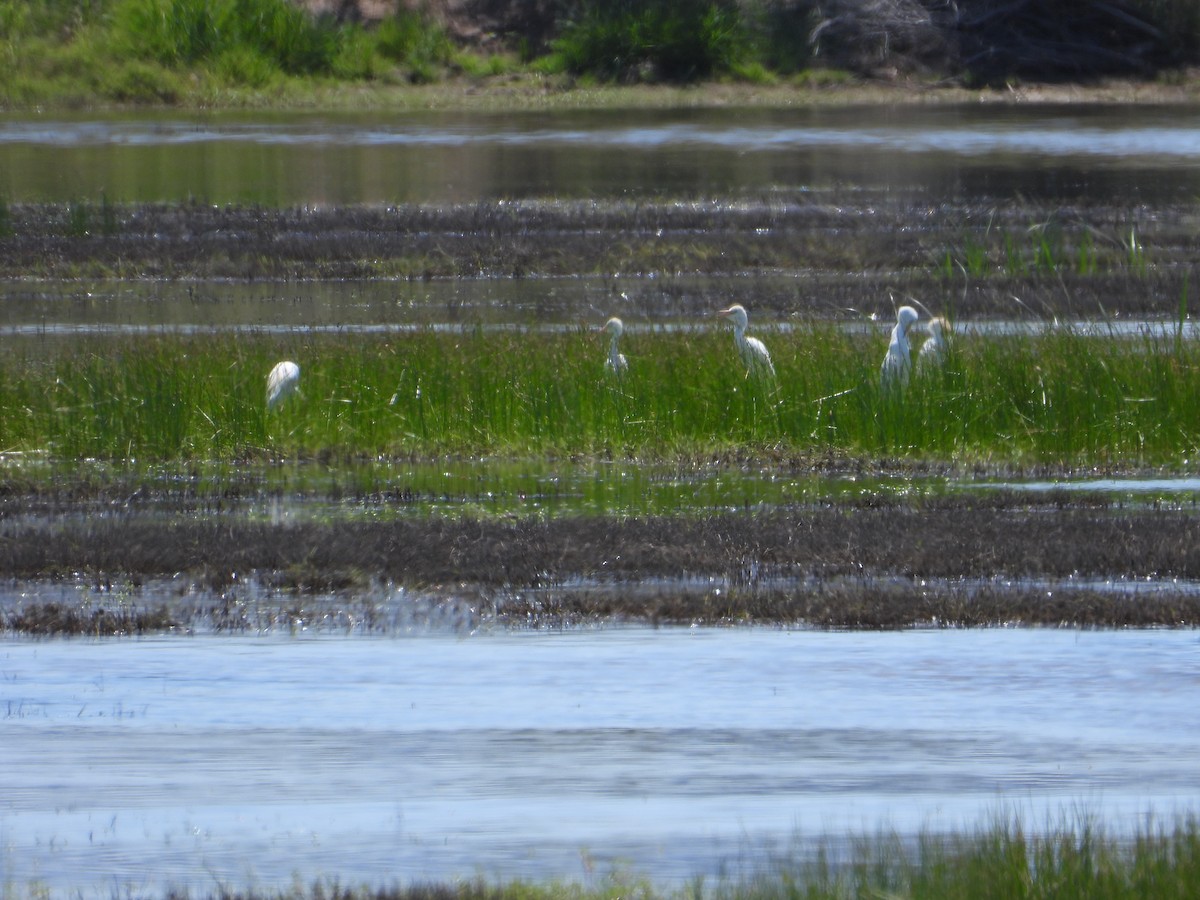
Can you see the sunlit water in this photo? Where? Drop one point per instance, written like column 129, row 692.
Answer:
column 671, row 753
column 399, row 489
column 1125, row 153
column 50, row 311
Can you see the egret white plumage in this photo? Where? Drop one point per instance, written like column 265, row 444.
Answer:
column 897, row 364
column 933, row 351
column 616, row 362
column 752, row 351
column 283, row 381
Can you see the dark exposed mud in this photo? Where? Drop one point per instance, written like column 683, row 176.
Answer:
column 958, row 561
column 846, row 249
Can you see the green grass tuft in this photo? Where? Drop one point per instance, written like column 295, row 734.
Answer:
column 1046, row 248
column 656, row 40
column 188, row 31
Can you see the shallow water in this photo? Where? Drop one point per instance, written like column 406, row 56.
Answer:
column 69, row 310
column 481, row 487
column 670, row 753
column 391, row 489
column 1126, row 153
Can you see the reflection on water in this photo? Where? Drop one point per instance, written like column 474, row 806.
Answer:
column 484, row 487
column 388, row 489
column 194, row 762
column 1177, row 488
column 1097, row 132
column 1120, row 154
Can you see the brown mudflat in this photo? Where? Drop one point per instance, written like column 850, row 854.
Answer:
column 844, row 249
column 997, row 559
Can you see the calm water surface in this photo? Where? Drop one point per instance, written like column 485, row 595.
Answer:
column 1122, row 154
column 69, row 310
column 672, row 753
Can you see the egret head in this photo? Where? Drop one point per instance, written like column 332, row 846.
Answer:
column 935, row 327
column 905, row 316
column 736, row 313
column 613, row 326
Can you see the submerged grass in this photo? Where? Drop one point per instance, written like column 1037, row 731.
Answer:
column 1059, row 398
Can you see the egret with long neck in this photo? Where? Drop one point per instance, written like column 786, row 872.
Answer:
column 897, row 364
column 752, row 351
column 616, row 362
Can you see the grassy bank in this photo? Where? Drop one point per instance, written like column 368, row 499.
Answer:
column 220, row 53
column 1059, row 399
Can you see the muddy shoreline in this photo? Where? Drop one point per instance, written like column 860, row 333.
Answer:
column 81, row 556
column 992, row 560
column 842, row 250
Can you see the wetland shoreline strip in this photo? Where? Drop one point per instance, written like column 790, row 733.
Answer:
column 847, row 248
column 961, row 561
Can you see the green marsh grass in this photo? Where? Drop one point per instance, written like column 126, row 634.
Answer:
column 1061, row 397
column 1045, row 248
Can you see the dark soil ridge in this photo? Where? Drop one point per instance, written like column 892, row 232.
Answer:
column 842, row 250
column 937, row 539
column 955, row 561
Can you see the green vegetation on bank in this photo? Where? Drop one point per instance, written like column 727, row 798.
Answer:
column 221, row 52
column 207, row 51
column 1060, row 398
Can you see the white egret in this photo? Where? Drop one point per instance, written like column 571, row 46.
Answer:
column 753, row 351
column 898, row 363
column 933, row 351
column 283, row 381
column 616, row 362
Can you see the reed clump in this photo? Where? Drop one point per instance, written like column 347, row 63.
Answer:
column 1061, row 398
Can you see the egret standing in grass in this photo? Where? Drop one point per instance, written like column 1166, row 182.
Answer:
column 753, row 351
column 616, row 363
column 283, row 381
column 933, row 351
column 898, row 363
